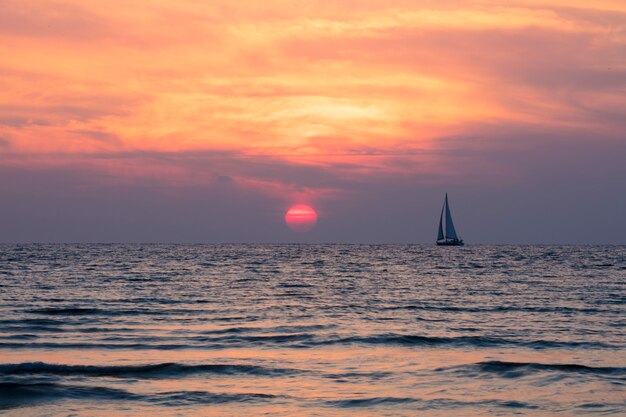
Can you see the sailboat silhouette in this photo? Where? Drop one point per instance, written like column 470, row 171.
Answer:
column 449, row 238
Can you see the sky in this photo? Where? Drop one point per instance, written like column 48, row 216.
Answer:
column 204, row 121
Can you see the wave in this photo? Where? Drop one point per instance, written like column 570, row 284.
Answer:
column 65, row 311
column 344, row 376
column 296, row 285
column 76, row 329
column 370, row 402
column 20, row 337
column 83, row 311
column 183, row 398
column 418, row 404
column 500, row 309
column 160, row 370
column 96, row 345
column 306, row 340
column 463, row 341
column 87, row 311
column 416, row 340
column 34, row 322
column 273, row 329
column 15, row 394
column 514, row 369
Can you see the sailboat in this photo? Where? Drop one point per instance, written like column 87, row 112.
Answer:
column 450, row 237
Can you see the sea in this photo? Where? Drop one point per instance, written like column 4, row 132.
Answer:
column 312, row 330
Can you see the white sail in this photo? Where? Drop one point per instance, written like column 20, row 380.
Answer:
column 450, row 232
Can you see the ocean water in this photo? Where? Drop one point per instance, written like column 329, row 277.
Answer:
column 312, row 330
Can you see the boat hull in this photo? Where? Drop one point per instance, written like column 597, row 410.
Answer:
column 450, row 243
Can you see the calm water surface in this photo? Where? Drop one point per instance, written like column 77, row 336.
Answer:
column 312, row 330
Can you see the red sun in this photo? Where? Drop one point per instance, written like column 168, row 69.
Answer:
column 301, row 218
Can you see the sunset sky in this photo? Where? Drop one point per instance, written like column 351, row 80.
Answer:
column 204, row 121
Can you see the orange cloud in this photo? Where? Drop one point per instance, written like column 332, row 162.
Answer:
column 338, row 88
